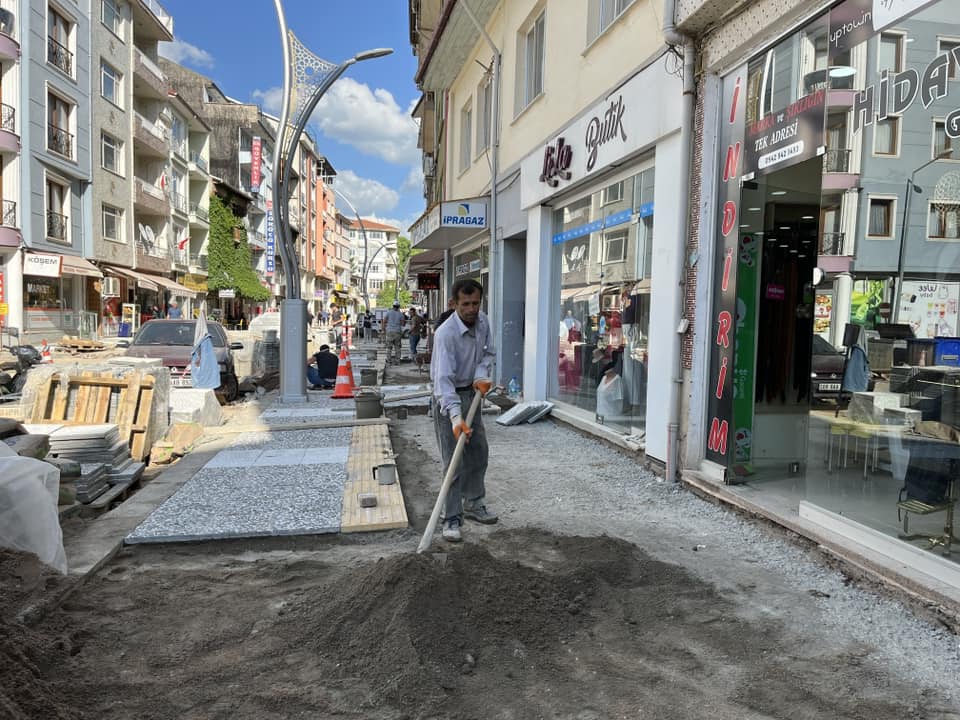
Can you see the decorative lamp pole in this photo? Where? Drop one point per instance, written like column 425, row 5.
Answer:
column 363, row 231
column 306, row 77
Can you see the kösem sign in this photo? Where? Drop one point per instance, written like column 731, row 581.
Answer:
column 618, row 125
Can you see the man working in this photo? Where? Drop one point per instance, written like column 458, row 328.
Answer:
column 462, row 364
column 336, row 321
column 324, row 375
column 395, row 321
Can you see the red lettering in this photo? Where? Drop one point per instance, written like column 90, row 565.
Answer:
column 727, row 266
column 736, row 98
column 729, row 217
column 721, row 379
column 717, row 441
column 724, row 322
column 733, row 159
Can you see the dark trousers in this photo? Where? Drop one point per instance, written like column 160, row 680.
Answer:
column 468, row 483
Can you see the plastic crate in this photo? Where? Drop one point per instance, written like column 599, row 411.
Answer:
column 947, row 351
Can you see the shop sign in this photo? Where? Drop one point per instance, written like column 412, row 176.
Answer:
column 623, row 123
column 428, row 281
column 227, row 294
column 776, row 292
column 787, row 137
column 722, row 361
column 468, row 267
column 463, row 214
column 256, row 156
column 194, row 282
column 4, row 309
column 930, row 308
column 895, row 93
column 271, row 242
column 42, row 265
column 855, row 21
column 425, row 226
column 822, row 314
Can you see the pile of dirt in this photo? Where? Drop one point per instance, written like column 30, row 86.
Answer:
column 26, row 657
column 24, row 580
column 416, row 628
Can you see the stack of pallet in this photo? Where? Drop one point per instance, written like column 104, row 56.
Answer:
column 93, row 445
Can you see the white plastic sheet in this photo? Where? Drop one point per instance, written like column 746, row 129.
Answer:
column 29, row 491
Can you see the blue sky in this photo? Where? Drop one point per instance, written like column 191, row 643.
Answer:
column 363, row 123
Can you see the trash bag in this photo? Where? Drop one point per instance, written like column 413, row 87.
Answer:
column 29, row 491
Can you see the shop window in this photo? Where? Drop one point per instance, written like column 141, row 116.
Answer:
column 886, row 136
column 890, row 54
column 110, row 16
column 466, row 133
column 484, row 114
column 110, row 83
column 948, row 46
column 111, row 153
column 615, row 246
column 58, row 202
column 112, row 219
column 601, row 14
column 941, row 141
column 613, row 194
column 530, row 48
column 943, row 221
column 881, row 217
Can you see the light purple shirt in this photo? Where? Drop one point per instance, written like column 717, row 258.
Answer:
column 461, row 355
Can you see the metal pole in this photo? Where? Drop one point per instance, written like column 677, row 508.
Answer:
column 898, row 290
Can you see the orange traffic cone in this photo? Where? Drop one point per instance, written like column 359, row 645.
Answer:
column 45, row 355
column 344, row 388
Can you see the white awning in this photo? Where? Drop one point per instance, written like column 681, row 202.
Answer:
column 73, row 265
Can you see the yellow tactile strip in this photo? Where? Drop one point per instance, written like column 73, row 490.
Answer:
column 369, row 447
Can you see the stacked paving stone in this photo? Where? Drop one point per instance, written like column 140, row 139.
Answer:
column 96, row 444
column 92, row 482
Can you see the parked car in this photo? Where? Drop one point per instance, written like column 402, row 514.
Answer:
column 172, row 342
column 826, row 371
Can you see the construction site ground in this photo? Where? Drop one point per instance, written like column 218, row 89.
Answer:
column 603, row 592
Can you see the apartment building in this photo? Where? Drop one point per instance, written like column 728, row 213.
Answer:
column 372, row 246
column 326, row 234
column 553, row 163
column 45, row 61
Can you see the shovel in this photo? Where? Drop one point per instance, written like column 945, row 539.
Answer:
column 448, row 478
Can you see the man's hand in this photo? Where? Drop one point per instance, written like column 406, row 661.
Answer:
column 482, row 386
column 460, row 427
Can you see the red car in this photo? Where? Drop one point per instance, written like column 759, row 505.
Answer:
column 172, row 342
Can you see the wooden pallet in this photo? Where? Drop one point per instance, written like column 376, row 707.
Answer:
column 98, row 398
column 73, row 343
column 369, row 447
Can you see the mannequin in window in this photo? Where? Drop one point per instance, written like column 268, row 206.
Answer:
column 610, row 389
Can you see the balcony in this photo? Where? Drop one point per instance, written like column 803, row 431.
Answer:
column 9, row 47
column 150, row 199
column 60, row 141
column 57, row 226
column 181, row 258
column 199, row 215
column 9, row 229
column 178, row 203
column 838, row 173
column 198, row 166
column 836, row 161
column 258, row 206
column 831, row 243
column 9, row 140
column 149, row 138
column 59, row 56
column 148, row 78
column 257, row 239
column 151, row 20
column 199, row 261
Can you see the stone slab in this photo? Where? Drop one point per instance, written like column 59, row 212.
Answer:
column 192, row 405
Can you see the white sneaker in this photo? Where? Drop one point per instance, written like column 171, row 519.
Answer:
column 451, row 530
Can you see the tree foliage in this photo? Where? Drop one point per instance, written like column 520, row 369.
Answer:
column 231, row 265
column 387, row 295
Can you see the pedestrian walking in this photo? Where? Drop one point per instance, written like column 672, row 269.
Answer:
column 416, row 323
column 461, row 365
column 336, row 321
column 395, row 321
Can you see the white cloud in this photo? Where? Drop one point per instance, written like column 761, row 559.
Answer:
column 369, row 120
column 414, row 180
column 402, row 223
column 183, row 53
column 271, row 99
column 367, row 195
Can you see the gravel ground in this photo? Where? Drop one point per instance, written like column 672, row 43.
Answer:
column 551, row 476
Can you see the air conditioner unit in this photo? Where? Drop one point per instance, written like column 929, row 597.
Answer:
column 429, row 166
column 111, row 287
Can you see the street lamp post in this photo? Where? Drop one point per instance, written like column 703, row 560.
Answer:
column 363, row 231
column 314, row 77
column 911, row 188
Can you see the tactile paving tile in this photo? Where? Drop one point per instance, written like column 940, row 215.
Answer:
column 370, row 447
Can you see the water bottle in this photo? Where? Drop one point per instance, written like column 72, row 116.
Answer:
column 513, row 388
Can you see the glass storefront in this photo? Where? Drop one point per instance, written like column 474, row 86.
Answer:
column 602, row 248
column 835, row 374
column 50, row 302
